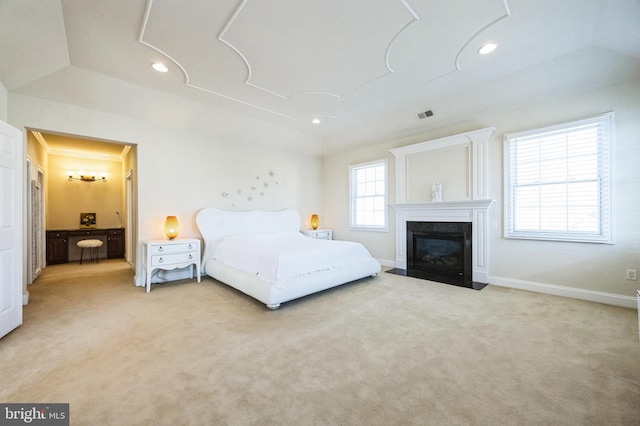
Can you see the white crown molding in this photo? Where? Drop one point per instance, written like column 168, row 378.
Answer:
column 41, row 140
column 77, row 154
column 86, row 155
column 125, row 151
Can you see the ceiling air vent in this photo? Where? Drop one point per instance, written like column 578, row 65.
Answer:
column 425, row 114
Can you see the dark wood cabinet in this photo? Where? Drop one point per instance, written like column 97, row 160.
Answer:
column 115, row 243
column 57, row 247
column 86, row 233
column 58, row 242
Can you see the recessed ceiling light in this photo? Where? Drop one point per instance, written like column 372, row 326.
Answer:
column 316, row 121
column 487, row 48
column 159, row 67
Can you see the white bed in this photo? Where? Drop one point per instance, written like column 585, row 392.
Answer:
column 264, row 255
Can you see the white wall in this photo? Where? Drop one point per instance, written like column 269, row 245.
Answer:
column 70, row 199
column 587, row 267
column 3, row 102
column 181, row 171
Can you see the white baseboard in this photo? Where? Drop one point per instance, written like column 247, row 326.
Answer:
column 138, row 280
column 389, row 263
column 25, row 298
column 575, row 293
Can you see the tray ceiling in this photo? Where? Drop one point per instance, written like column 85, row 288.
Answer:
column 318, row 58
column 365, row 68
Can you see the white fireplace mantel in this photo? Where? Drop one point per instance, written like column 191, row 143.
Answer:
column 474, row 210
column 444, row 205
column 476, row 146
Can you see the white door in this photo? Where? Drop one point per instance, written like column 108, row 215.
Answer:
column 10, row 228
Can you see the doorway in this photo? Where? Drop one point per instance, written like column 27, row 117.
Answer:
column 59, row 158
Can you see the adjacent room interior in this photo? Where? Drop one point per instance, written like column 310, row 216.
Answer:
column 85, row 189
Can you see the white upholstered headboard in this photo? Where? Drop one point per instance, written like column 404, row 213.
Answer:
column 216, row 224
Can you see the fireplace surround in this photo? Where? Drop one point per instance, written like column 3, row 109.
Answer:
column 460, row 163
column 440, row 251
column 473, row 212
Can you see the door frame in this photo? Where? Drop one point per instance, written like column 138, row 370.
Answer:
column 129, row 200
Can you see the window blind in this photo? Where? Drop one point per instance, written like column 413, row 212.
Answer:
column 557, row 182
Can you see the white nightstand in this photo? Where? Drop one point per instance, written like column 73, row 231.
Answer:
column 319, row 234
column 171, row 254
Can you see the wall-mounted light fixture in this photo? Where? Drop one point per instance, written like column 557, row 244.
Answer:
column 87, row 177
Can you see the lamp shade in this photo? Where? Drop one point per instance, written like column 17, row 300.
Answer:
column 171, row 227
column 315, row 221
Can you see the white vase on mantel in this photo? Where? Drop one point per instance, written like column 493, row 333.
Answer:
column 436, row 191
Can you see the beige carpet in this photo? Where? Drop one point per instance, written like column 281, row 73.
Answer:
column 386, row 351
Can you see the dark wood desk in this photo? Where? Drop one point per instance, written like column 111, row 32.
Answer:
column 58, row 246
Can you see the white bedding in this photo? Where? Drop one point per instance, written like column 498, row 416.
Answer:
column 246, row 237
column 278, row 258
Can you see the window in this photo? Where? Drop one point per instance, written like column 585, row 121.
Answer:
column 368, row 192
column 557, row 182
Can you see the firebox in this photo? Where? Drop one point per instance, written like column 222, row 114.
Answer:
column 440, row 251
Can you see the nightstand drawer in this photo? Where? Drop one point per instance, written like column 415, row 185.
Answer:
column 172, row 259
column 322, row 235
column 318, row 234
column 173, row 248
